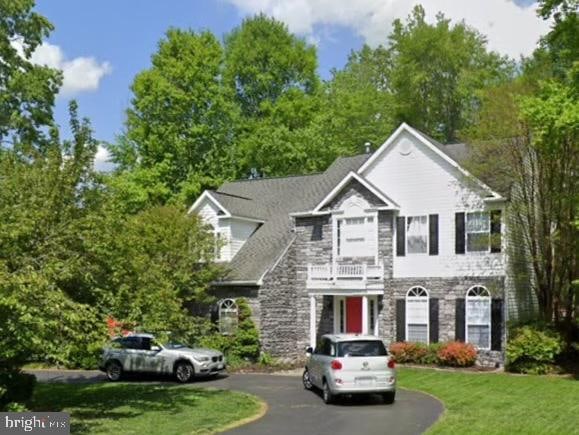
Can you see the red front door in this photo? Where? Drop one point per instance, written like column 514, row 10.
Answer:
column 354, row 315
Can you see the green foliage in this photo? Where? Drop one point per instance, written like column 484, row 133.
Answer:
column 264, row 61
column 241, row 346
column 27, row 91
column 533, row 349
column 179, row 125
column 437, row 71
column 15, row 390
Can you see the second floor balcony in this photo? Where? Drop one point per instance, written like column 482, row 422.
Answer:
column 344, row 276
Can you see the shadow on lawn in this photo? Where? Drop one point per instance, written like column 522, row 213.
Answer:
column 91, row 405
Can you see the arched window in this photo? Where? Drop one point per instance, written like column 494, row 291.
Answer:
column 228, row 316
column 478, row 317
column 417, row 315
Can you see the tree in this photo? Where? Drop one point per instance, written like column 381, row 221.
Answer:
column 437, row 72
column 532, row 137
column 357, row 106
column 27, row 91
column 180, row 125
column 264, row 61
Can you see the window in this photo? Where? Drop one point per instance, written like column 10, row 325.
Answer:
column 478, row 317
column 478, row 227
column 356, row 237
column 361, row 348
column 417, row 234
column 417, row 315
column 228, row 316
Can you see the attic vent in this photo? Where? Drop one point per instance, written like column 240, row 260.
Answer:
column 405, row 147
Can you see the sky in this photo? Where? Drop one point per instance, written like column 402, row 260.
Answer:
column 101, row 45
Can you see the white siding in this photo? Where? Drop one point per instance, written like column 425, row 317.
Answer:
column 208, row 211
column 424, row 183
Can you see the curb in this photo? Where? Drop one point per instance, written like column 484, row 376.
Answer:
column 263, row 408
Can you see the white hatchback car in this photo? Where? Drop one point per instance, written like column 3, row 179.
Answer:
column 347, row 364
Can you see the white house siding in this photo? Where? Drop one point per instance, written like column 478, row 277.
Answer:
column 209, row 212
column 423, row 183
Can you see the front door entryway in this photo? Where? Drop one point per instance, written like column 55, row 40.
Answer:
column 354, row 315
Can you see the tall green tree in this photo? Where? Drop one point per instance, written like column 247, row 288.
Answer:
column 264, row 61
column 180, row 125
column 437, row 72
column 27, row 91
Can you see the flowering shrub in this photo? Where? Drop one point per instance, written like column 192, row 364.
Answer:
column 457, row 354
column 406, row 352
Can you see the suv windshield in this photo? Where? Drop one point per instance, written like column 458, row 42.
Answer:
column 361, row 348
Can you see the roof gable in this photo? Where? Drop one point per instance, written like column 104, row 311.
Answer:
column 434, row 146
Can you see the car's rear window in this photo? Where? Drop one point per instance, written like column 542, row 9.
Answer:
column 361, row 348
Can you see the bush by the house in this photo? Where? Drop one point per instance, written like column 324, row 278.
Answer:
column 415, row 353
column 533, row 349
column 241, row 346
column 457, row 354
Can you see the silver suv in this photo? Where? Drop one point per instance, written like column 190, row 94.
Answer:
column 141, row 353
column 350, row 364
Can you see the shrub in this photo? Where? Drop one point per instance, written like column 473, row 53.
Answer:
column 533, row 349
column 16, row 388
column 457, row 354
column 241, row 346
column 406, row 352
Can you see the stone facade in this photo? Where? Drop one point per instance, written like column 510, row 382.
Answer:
column 281, row 306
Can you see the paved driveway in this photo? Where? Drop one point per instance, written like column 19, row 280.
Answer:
column 294, row 410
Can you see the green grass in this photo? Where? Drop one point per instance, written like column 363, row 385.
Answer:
column 493, row 403
column 126, row 408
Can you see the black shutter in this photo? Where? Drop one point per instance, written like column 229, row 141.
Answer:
column 459, row 233
column 496, row 324
column 400, row 236
column 433, row 306
column 459, row 330
column 433, row 234
column 400, row 320
column 495, row 231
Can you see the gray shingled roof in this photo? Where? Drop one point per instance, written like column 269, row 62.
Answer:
column 273, row 199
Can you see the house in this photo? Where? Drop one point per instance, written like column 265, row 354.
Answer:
column 402, row 243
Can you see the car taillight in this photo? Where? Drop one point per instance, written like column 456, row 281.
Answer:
column 391, row 364
column 336, row 365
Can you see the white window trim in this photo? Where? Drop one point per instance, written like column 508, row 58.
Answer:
column 342, row 216
column 407, row 298
column 489, row 324
column 372, row 329
column 466, row 233
column 427, row 234
column 229, row 306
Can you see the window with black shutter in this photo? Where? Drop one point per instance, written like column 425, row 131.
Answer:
column 496, row 231
column 496, row 324
column 400, row 319
column 433, row 316
column 459, row 313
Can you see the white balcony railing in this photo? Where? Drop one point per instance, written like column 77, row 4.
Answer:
column 345, row 272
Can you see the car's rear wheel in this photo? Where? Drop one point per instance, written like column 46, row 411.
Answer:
column 306, row 380
column 389, row 397
column 184, row 372
column 327, row 394
column 114, row 371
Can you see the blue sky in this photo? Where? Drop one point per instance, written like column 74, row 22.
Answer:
column 101, row 45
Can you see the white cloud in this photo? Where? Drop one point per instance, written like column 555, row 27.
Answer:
column 511, row 29
column 102, row 160
column 80, row 74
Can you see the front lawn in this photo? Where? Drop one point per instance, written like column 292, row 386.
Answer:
column 493, row 403
column 126, row 408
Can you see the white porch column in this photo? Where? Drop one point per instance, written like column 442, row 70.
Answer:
column 364, row 314
column 313, row 321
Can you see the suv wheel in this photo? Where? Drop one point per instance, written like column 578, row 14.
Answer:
column 327, row 394
column 388, row 398
column 306, row 380
column 184, row 372
column 114, row 371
